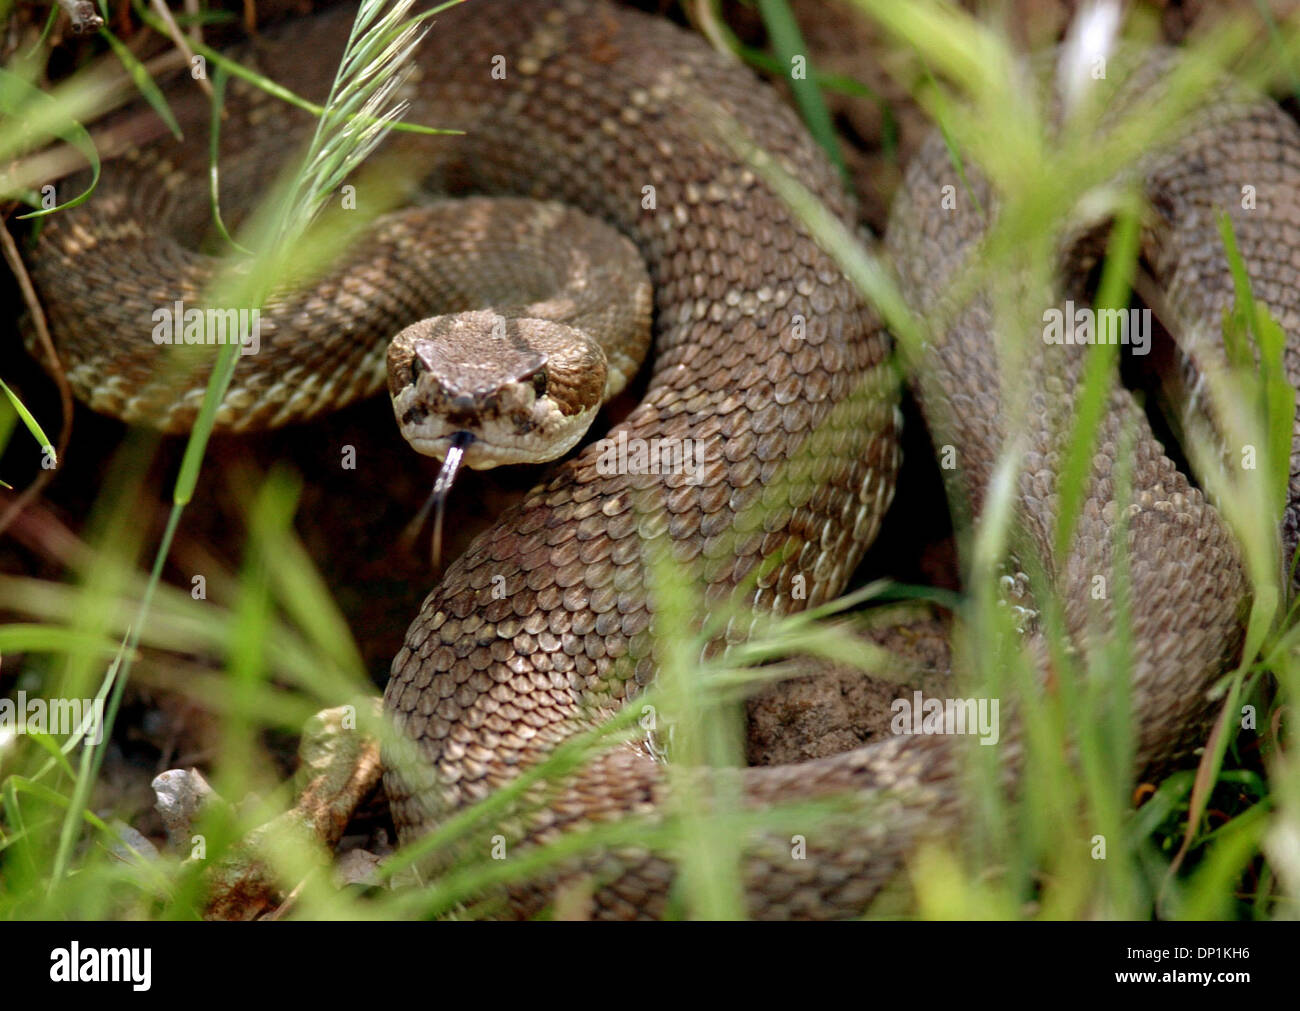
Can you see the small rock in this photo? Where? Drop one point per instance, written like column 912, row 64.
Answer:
column 180, row 794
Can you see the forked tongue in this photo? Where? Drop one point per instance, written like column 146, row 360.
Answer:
column 437, row 500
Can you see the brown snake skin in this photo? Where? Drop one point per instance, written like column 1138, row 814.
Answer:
column 594, row 107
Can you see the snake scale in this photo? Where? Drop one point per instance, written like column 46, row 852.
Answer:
column 765, row 356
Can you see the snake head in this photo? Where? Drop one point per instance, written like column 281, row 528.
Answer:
column 526, row 389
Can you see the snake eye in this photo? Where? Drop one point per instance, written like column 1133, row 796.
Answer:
column 539, row 383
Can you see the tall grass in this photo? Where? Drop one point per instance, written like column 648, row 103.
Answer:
column 356, row 116
column 1043, row 865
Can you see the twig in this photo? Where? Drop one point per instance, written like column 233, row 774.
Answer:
column 177, row 37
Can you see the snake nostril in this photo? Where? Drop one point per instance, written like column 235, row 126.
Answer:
column 539, row 383
column 415, row 415
column 416, row 368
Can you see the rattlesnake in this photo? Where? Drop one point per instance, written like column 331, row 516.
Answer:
column 766, row 357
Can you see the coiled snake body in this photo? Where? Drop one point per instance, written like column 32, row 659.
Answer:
column 765, row 357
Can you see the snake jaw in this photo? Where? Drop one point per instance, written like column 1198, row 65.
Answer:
column 497, row 441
